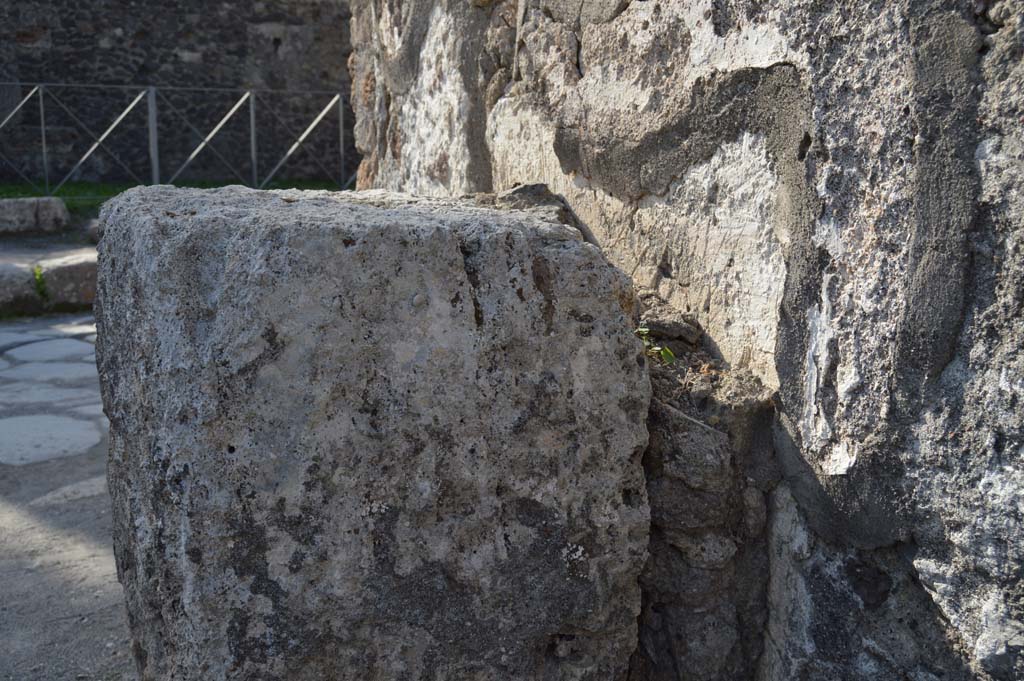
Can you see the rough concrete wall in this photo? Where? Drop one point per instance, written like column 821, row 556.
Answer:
column 831, row 190
column 272, row 44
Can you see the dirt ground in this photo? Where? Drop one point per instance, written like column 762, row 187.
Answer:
column 62, row 612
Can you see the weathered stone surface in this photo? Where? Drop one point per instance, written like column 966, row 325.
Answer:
column 69, row 278
column 34, row 215
column 833, row 191
column 705, row 584
column 92, row 230
column 52, row 278
column 17, row 288
column 361, row 436
column 34, row 392
column 840, row 612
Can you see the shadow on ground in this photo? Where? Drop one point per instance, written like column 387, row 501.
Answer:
column 61, row 608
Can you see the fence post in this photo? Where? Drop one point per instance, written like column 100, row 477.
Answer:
column 253, row 159
column 42, row 135
column 154, row 139
column 341, row 137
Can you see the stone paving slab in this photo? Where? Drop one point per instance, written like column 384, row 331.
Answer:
column 57, row 372
column 42, row 395
column 51, row 350
column 40, row 437
column 12, row 339
column 61, row 609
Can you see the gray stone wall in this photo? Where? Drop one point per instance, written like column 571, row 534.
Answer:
column 832, row 190
column 294, row 45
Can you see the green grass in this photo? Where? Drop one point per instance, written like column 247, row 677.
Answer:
column 84, row 199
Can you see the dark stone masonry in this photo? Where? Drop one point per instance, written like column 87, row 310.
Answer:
column 293, row 45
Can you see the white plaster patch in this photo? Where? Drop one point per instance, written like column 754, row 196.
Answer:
column 848, row 377
column 31, row 439
column 750, row 45
column 790, row 603
column 840, row 459
column 435, row 149
column 643, row 65
column 189, row 56
column 999, row 633
column 521, row 142
column 815, row 429
column 572, row 553
column 643, row 76
column 718, row 224
column 390, row 30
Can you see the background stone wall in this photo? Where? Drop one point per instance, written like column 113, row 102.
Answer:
column 832, row 191
column 294, row 45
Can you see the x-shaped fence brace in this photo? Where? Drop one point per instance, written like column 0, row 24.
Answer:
column 150, row 93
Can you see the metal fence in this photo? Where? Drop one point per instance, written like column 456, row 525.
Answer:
column 41, row 100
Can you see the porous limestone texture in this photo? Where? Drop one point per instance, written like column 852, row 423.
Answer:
column 833, row 191
column 366, row 436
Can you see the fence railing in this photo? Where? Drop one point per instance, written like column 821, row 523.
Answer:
column 158, row 104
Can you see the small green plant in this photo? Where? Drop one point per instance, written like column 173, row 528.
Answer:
column 652, row 349
column 40, row 283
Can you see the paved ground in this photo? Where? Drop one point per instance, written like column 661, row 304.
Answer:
column 61, row 609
